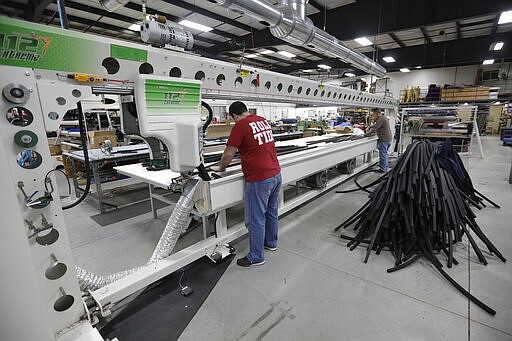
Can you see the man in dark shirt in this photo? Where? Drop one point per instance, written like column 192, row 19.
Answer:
column 252, row 137
column 381, row 127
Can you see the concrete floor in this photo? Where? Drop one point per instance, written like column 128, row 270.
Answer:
column 314, row 287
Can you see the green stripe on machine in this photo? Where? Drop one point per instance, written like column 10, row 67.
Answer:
column 128, row 53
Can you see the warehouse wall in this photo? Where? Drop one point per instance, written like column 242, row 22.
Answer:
column 271, row 111
column 449, row 75
column 423, row 78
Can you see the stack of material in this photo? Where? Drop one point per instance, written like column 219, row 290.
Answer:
column 422, row 208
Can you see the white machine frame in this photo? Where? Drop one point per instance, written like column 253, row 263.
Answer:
column 31, row 294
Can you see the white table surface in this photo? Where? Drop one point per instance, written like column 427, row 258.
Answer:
column 161, row 178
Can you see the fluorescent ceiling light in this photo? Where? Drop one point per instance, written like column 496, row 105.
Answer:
column 505, row 17
column 497, row 45
column 287, row 54
column 195, row 26
column 251, row 55
column 308, row 70
column 405, row 70
column 363, row 41
column 134, row 27
column 418, row 67
column 488, row 61
column 349, row 74
column 323, row 66
column 266, row 52
column 389, row 59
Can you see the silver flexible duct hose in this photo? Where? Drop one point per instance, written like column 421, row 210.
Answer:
column 90, row 281
column 170, row 235
column 175, row 223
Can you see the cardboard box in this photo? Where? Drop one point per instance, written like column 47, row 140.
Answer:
column 97, row 137
column 218, row 130
column 344, row 129
column 309, row 133
column 465, row 94
column 55, row 150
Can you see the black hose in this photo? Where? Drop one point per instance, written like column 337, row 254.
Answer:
column 210, row 115
column 363, row 188
column 57, row 170
column 83, row 140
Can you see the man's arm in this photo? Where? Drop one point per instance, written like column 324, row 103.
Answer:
column 227, row 156
column 379, row 123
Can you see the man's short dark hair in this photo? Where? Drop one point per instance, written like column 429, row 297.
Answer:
column 376, row 110
column 237, row 108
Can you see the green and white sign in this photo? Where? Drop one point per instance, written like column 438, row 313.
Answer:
column 172, row 95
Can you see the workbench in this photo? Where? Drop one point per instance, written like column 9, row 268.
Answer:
column 160, row 179
column 97, row 160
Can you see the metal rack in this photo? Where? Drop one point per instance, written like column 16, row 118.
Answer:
column 407, row 112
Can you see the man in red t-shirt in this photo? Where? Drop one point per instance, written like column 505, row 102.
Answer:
column 252, row 137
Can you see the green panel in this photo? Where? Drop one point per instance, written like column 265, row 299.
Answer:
column 39, row 46
column 128, row 53
column 179, row 96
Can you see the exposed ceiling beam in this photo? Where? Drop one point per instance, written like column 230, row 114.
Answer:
column 257, row 39
column 466, row 51
column 206, row 13
column 495, row 24
column 316, row 5
column 425, row 35
column 99, row 11
column 95, row 23
column 359, row 18
column 273, row 57
column 34, row 9
column 396, row 40
column 116, row 28
column 135, row 7
column 459, row 34
column 334, row 63
column 480, row 22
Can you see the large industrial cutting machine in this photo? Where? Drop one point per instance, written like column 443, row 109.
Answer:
column 45, row 72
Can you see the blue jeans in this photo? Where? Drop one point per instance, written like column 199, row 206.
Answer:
column 261, row 204
column 383, row 154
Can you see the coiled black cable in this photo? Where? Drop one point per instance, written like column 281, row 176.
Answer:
column 83, row 140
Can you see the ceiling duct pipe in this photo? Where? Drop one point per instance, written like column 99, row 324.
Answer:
column 288, row 22
column 113, row 5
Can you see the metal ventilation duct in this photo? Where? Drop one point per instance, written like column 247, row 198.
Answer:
column 288, row 22
column 113, row 5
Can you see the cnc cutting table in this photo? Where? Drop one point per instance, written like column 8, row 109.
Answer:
column 97, row 159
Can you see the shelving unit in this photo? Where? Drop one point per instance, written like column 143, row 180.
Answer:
column 95, row 120
column 438, row 123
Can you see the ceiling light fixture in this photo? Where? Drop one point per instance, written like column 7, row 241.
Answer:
column 505, row 17
column 323, row 66
column 308, row 70
column 266, row 52
column 349, row 74
column 254, row 55
column 287, row 54
column 195, row 26
column 363, row 41
column 488, row 62
column 405, row 70
column 134, row 27
column 418, row 67
column 389, row 59
column 497, row 45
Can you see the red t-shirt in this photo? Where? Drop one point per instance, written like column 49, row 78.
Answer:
column 253, row 138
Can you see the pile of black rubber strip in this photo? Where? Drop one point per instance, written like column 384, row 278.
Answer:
column 422, row 208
